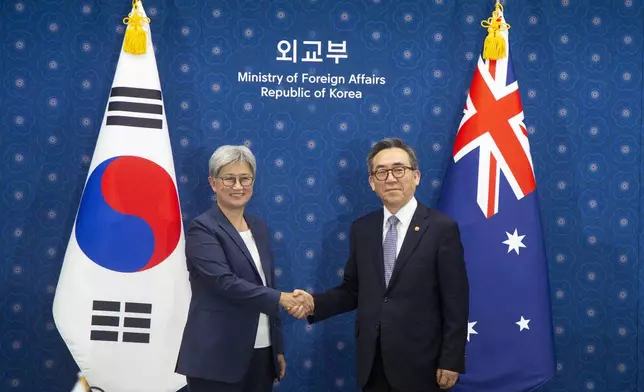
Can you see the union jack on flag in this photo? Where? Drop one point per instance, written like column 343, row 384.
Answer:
column 489, row 189
column 493, row 123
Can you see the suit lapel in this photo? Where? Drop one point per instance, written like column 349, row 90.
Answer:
column 234, row 235
column 262, row 248
column 379, row 261
column 413, row 236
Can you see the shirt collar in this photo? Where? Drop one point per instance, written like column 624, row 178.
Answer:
column 404, row 214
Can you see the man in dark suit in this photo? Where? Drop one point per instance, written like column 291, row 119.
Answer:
column 406, row 277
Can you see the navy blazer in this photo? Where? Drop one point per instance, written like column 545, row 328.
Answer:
column 421, row 316
column 227, row 298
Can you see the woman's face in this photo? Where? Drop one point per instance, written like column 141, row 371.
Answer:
column 233, row 185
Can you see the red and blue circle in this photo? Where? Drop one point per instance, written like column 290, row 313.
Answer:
column 129, row 218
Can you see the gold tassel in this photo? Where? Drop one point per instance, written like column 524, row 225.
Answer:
column 494, row 47
column 136, row 40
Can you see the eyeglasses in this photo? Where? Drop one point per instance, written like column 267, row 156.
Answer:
column 230, row 181
column 397, row 172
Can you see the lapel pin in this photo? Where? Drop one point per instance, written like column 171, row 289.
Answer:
column 416, row 228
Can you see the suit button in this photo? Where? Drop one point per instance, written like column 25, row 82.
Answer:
column 386, row 299
column 378, row 327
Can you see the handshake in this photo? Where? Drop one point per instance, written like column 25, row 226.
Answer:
column 298, row 304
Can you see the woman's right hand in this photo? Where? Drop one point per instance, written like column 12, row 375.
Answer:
column 296, row 303
column 288, row 301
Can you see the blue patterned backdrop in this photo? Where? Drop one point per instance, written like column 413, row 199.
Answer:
column 579, row 66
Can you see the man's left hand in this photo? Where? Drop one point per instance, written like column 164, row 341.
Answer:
column 282, row 362
column 446, row 378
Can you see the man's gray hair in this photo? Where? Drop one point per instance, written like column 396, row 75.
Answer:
column 225, row 155
column 391, row 142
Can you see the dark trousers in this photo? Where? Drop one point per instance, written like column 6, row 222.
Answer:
column 378, row 379
column 259, row 377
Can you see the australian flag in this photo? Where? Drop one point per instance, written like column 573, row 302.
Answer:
column 490, row 190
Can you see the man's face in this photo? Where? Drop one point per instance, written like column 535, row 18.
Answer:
column 394, row 192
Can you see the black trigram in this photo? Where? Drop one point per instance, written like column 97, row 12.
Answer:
column 153, row 111
column 106, row 322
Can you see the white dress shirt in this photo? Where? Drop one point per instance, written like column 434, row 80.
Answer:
column 404, row 216
column 263, row 337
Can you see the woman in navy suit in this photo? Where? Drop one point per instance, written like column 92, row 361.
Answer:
column 232, row 341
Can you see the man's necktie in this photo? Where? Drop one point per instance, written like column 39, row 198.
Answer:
column 389, row 247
